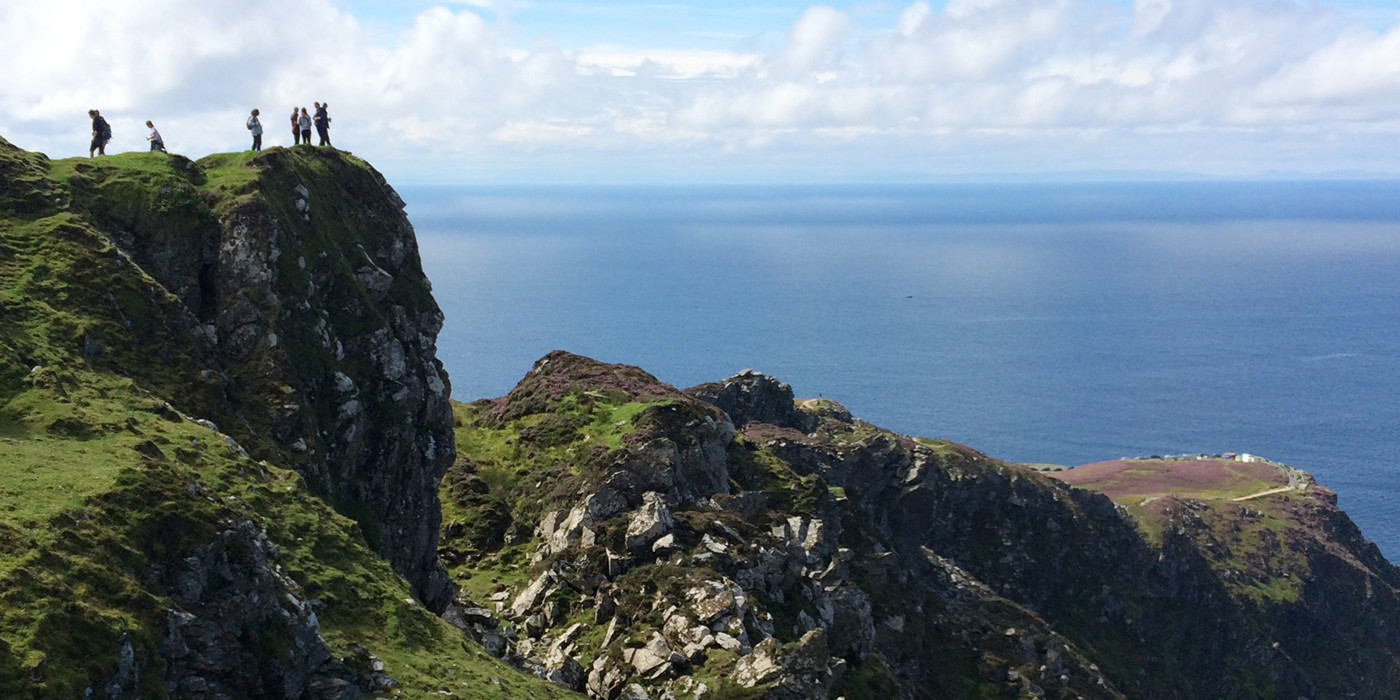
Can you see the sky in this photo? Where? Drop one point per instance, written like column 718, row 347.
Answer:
column 647, row 91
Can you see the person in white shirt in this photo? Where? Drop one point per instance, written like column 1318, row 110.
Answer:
column 157, row 143
column 255, row 126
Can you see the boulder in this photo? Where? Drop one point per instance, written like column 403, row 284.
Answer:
column 649, row 522
column 634, row 692
column 802, row 671
column 718, row 603
column 762, row 665
column 750, row 396
column 566, row 672
column 533, row 595
column 651, row 661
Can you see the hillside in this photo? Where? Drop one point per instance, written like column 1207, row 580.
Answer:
column 230, row 468
column 222, row 427
column 729, row 536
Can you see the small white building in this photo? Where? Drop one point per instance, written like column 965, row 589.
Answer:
column 1246, row 457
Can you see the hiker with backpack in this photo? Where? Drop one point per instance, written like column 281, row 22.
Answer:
column 101, row 134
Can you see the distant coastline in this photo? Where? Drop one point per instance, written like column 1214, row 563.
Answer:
column 1061, row 323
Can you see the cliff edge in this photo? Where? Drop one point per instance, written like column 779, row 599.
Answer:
column 219, row 398
column 300, row 321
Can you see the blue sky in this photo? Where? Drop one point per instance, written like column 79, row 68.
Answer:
column 521, row 91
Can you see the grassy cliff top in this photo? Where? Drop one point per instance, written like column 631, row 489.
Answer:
column 1241, row 509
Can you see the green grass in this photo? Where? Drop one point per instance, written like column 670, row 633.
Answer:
column 39, row 480
column 498, row 450
column 506, row 569
column 614, row 425
column 230, row 171
column 943, row 448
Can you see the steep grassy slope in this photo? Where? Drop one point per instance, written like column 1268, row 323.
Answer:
column 102, row 486
column 144, row 553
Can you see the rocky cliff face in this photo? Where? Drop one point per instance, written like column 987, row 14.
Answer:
column 728, row 540
column 312, row 326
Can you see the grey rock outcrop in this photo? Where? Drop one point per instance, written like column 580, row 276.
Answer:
column 649, row 522
column 231, row 598
column 752, row 397
column 803, row 670
column 319, row 339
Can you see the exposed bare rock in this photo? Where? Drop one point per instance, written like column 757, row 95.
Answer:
column 750, row 396
column 229, row 594
column 649, row 522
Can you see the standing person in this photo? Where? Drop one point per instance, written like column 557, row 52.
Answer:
column 296, row 133
column 101, row 134
column 157, row 143
column 255, row 126
column 304, row 121
column 323, row 123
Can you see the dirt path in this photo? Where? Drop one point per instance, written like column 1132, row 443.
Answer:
column 1295, row 483
column 1261, row 494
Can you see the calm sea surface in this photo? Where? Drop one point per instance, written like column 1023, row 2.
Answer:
column 1037, row 323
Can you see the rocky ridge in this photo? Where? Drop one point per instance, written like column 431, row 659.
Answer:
column 727, row 541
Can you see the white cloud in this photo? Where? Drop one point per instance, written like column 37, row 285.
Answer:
column 1358, row 67
column 813, row 40
column 913, row 17
column 537, row 133
column 1019, row 83
column 666, row 63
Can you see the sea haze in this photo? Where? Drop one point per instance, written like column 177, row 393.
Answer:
column 1063, row 323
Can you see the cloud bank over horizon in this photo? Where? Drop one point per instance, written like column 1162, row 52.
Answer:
column 466, row 92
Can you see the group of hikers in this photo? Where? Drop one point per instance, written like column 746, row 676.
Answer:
column 302, row 121
column 301, row 126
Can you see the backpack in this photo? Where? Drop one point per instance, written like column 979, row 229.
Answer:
column 104, row 130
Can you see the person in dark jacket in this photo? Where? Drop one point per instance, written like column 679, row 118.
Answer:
column 323, row 123
column 296, row 132
column 101, row 134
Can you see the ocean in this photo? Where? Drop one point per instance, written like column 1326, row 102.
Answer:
column 1047, row 323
